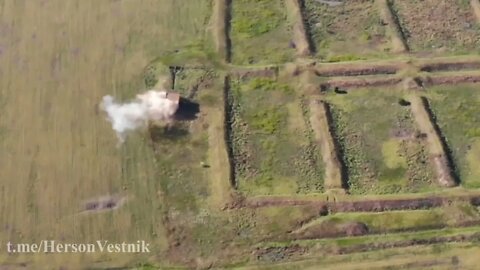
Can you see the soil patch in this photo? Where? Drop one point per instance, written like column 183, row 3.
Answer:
column 363, row 82
column 356, row 206
column 435, row 67
column 453, row 79
column 344, row 70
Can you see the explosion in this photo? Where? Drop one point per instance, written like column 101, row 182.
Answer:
column 151, row 106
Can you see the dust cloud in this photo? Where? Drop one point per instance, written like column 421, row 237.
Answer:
column 151, row 106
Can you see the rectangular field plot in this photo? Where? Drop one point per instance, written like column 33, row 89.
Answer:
column 271, row 141
column 382, row 150
column 347, row 31
column 260, row 32
column 456, row 112
column 438, row 25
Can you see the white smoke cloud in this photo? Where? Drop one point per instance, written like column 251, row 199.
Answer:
column 149, row 106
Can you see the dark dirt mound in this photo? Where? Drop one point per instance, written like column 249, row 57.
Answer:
column 275, row 254
column 363, row 82
column 450, row 66
column 355, row 71
column 454, row 79
column 253, row 73
column 330, row 229
column 355, row 229
column 103, row 203
column 357, row 206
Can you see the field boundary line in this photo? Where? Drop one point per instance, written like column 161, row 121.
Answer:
column 437, row 148
column 321, row 124
column 300, row 37
column 476, row 9
column 394, row 30
column 221, row 28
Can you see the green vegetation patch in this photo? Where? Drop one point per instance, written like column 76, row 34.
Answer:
column 379, row 139
column 350, row 31
column 271, row 141
column 442, row 26
column 260, row 32
column 458, row 115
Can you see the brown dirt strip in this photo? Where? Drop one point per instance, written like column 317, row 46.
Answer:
column 363, row 68
column 476, row 9
column 451, row 79
column 369, row 205
column 407, row 243
column 394, row 31
column 227, row 128
column 219, row 161
column 300, row 39
column 342, row 82
column 296, row 250
column 438, row 152
column 244, row 73
column 353, row 228
column 450, row 66
column 326, row 70
column 221, row 28
column 321, row 125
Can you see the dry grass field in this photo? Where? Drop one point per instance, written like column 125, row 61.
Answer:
column 350, row 31
column 427, row 29
column 57, row 60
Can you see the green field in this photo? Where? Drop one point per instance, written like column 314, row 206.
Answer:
column 456, row 112
column 272, row 143
column 347, row 32
column 260, row 32
column 382, row 153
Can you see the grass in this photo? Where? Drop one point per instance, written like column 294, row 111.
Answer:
column 455, row 108
column 60, row 151
column 260, row 32
column 351, row 31
column 382, row 155
column 427, row 29
column 268, row 137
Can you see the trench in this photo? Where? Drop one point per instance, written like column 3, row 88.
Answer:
column 362, row 82
column 452, row 168
column 397, row 25
column 229, row 136
column 307, row 27
column 338, row 149
column 359, row 206
column 356, row 71
column 436, row 67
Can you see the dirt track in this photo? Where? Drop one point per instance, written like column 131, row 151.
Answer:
column 357, row 206
column 355, row 70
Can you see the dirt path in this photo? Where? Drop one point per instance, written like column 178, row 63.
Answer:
column 300, row 38
column 221, row 28
column 399, row 44
column 219, row 166
column 360, row 204
column 319, row 119
column 476, row 9
column 437, row 150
